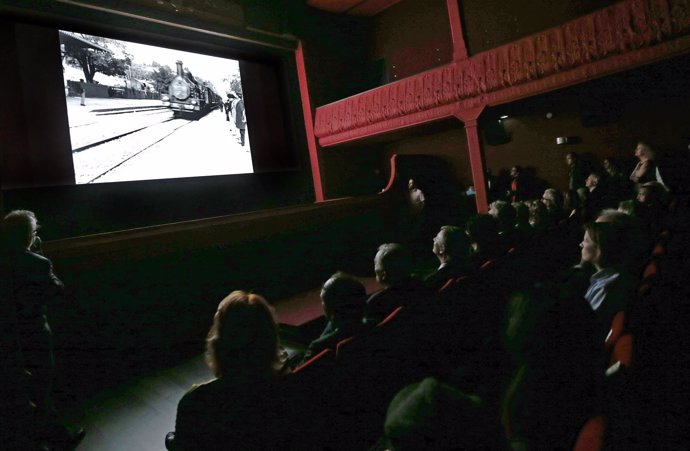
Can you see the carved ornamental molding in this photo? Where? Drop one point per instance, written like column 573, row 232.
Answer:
column 620, row 37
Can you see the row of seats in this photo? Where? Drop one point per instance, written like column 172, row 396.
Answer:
column 622, row 350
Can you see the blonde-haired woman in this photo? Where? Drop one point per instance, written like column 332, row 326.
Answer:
column 645, row 170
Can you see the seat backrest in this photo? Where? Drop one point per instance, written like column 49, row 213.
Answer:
column 659, row 250
column 623, row 351
column 390, row 317
column 651, row 270
column 591, row 436
column 617, row 327
column 323, row 358
column 342, row 346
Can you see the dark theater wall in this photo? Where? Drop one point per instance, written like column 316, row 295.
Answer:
column 491, row 23
column 412, row 37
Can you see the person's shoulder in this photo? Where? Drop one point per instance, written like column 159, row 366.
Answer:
column 28, row 259
column 201, row 391
column 377, row 294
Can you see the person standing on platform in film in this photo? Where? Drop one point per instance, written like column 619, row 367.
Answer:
column 81, row 87
column 240, row 118
column 229, row 104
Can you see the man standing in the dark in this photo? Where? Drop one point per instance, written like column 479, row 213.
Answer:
column 519, row 185
column 31, row 284
column 240, row 118
column 576, row 172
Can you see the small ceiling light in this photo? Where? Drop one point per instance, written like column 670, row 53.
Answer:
column 505, row 116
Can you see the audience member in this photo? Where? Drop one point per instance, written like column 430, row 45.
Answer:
column 393, row 268
column 627, row 207
column 617, row 183
column 551, row 335
column 433, row 416
column 343, row 298
column 523, row 229
column 519, row 186
column 33, row 286
column 650, row 207
column 416, row 198
column 538, row 216
column 607, row 246
column 576, row 171
column 645, row 170
column 597, row 198
column 553, row 200
column 504, row 214
column 237, row 409
column 452, row 248
column 484, row 241
column 638, row 243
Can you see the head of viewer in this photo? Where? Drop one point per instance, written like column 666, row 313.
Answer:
column 644, row 151
column 570, row 158
column 342, row 297
column 592, row 180
column 431, row 415
column 552, row 199
column 19, row 229
column 392, row 264
column 515, row 171
column 450, row 243
column 243, row 339
column 606, row 244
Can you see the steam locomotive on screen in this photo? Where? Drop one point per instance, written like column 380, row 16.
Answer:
column 189, row 98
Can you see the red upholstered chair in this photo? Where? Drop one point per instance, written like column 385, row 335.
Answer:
column 487, row 264
column 447, row 285
column 623, row 351
column 346, row 344
column 591, row 436
column 650, row 271
column 659, row 250
column 617, row 327
column 323, row 358
column 390, row 316
column 341, row 347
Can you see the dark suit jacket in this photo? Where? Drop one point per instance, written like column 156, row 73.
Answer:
column 452, row 270
column 32, row 284
column 383, row 302
column 230, row 413
column 331, row 335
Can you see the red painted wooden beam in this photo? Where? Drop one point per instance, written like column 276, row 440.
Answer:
column 469, row 118
column 309, row 124
column 459, row 46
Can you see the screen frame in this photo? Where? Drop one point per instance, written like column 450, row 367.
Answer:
column 277, row 182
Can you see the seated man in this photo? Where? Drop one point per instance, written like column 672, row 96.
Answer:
column 343, row 298
column 393, row 267
column 504, row 214
column 553, row 200
column 482, row 231
column 451, row 247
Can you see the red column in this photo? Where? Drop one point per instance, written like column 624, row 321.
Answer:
column 309, row 123
column 459, row 46
column 469, row 117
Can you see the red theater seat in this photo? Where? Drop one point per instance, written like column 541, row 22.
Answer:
column 617, row 327
column 623, row 351
column 323, row 358
column 591, row 436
